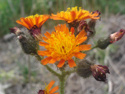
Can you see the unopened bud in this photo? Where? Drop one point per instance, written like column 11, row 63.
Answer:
column 92, row 23
column 83, row 25
column 16, row 31
column 28, row 44
column 117, row 35
column 84, row 69
column 103, row 43
column 91, row 26
column 99, row 72
column 41, row 92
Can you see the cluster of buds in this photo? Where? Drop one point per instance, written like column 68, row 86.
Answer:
column 85, row 68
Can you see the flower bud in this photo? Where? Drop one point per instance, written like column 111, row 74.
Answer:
column 92, row 23
column 41, row 92
column 117, row 35
column 103, row 43
column 91, row 26
column 83, row 25
column 28, row 44
column 99, row 72
column 16, row 31
column 84, row 69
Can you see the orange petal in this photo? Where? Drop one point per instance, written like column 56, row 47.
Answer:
column 46, row 60
column 84, row 47
column 48, row 35
column 45, row 39
column 50, row 85
column 43, row 53
column 81, row 40
column 73, row 15
column 72, row 30
column 21, row 23
column 24, row 23
column 54, row 89
column 53, row 60
column 71, row 63
column 79, row 55
column 81, row 34
column 43, row 44
column 61, row 63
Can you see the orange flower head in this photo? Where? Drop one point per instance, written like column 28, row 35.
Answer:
column 75, row 15
column 47, row 89
column 62, row 45
column 33, row 23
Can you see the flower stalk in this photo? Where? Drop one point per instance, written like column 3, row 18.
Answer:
column 62, row 82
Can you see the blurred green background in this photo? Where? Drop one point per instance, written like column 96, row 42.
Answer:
column 11, row 10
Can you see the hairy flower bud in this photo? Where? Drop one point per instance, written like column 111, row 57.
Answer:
column 28, row 44
column 103, row 43
column 117, row 35
column 99, row 72
column 84, row 69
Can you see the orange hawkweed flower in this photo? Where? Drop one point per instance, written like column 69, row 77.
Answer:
column 62, row 45
column 76, row 15
column 48, row 87
column 33, row 23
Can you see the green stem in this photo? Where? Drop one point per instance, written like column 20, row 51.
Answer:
column 47, row 67
column 52, row 71
column 62, row 82
column 94, row 47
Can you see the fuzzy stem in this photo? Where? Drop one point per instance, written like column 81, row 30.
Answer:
column 62, row 82
column 52, row 71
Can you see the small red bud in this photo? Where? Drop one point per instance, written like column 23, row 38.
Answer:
column 117, row 36
column 15, row 30
column 83, row 25
column 99, row 72
column 41, row 92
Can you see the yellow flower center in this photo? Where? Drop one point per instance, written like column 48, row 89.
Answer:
column 62, row 43
column 33, row 16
